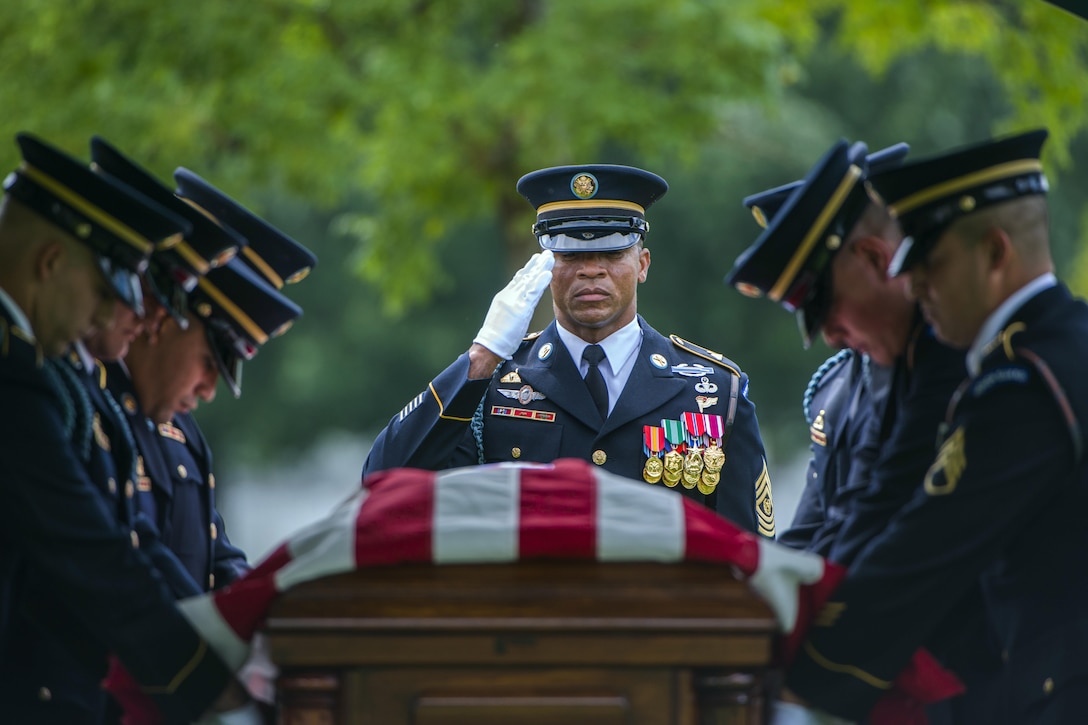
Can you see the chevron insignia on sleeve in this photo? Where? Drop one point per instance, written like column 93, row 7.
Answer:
column 412, row 405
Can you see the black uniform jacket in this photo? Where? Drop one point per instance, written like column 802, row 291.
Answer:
column 176, row 490
column 536, row 407
column 1000, row 507
column 57, row 526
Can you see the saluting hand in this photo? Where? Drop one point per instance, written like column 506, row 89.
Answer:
column 512, row 308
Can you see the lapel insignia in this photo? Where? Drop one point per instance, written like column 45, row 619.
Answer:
column 658, row 361
column 705, row 401
column 143, row 483
column 542, row 415
column 100, row 436
column 689, row 370
column 816, row 430
column 171, row 431
column 545, row 351
column 524, row 395
column 705, row 386
column 129, row 403
column 510, row 378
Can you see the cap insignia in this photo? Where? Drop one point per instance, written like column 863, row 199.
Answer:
column 584, row 186
column 748, row 290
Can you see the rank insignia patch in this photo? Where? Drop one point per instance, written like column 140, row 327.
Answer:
column 816, row 430
column 764, row 503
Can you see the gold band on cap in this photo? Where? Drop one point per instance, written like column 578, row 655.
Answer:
column 826, row 214
column 115, row 226
column 1006, row 170
column 190, row 255
column 234, row 311
column 590, row 204
column 264, row 267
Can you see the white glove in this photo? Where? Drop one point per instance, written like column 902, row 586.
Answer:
column 512, row 308
column 788, row 713
column 247, row 714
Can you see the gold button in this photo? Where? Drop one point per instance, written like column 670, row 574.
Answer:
column 111, row 484
column 599, row 457
column 211, row 481
column 1048, row 685
column 515, row 452
column 130, row 490
column 182, row 471
column 135, row 538
column 215, row 532
column 211, row 581
column 44, row 694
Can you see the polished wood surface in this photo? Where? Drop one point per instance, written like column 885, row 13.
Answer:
column 539, row 642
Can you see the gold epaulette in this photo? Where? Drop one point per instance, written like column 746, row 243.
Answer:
column 706, row 354
column 101, row 373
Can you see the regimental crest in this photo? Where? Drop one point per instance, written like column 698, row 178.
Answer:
column 944, row 475
column 584, row 185
column 524, row 395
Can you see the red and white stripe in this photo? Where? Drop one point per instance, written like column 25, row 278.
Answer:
column 503, row 513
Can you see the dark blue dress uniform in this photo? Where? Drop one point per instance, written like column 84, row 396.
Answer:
column 805, row 224
column 538, row 407
column 227, row 290
column 59, row 533
column 176, row 491
column 840, row 406
column 461, row 422
column 999, row 507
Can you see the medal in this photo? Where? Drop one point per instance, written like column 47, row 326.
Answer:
column 713, row 457
column 653, row 443
column 693, row 466
column 708, row 482
column 674, row 447
column 674, row 468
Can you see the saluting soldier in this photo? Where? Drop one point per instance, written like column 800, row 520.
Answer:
column 72, row 245
column 599, row 383
column 1000, row 505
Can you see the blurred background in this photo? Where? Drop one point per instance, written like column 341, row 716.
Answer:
column 388, row 135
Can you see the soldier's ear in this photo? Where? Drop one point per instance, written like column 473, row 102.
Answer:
column 49, row 258
column 997, row 246
column 874, row 252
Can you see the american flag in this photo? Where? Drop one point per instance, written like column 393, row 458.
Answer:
column 508, row 512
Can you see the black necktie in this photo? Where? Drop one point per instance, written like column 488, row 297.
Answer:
column 593, row 354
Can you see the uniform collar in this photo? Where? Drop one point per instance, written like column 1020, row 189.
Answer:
column 618, row 347
column 995, row 323
column 16, row 312
column 86, row 359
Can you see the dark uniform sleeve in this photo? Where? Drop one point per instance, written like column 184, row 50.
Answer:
column 1007, row 455
column 430, row 431
column 52, row 517
column 906, row 443
column 229, row 562
column 744, row 496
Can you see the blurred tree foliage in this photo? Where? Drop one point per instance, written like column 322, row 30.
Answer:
column 389, row 134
